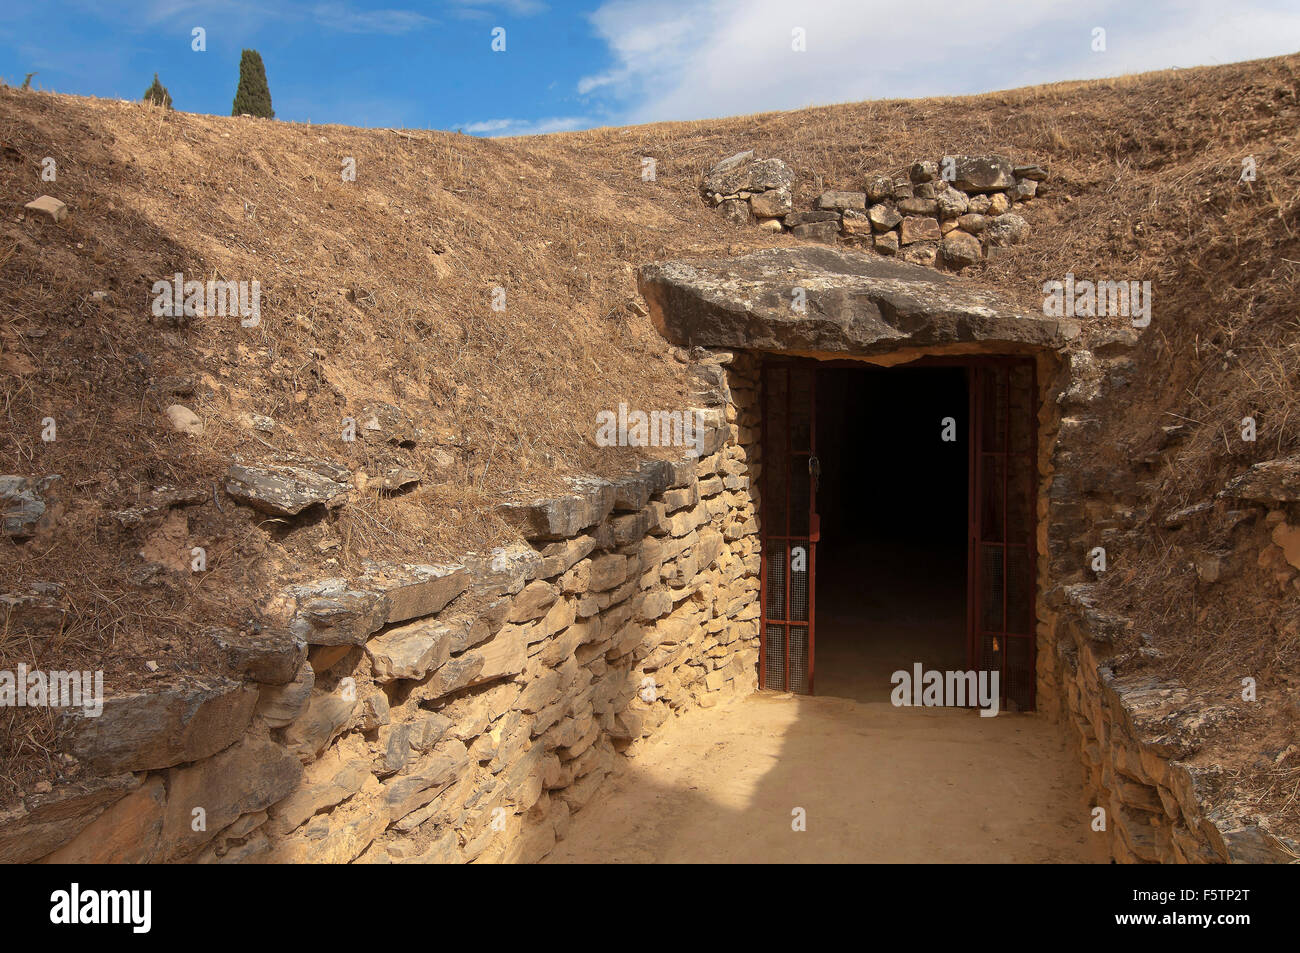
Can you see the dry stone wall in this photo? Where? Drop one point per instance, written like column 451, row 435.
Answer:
column 447, row 713
column 954, row 212
column 1134, row 730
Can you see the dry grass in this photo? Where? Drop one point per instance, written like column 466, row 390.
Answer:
column 1144, row 186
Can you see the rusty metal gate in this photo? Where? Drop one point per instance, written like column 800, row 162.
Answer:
column 1001, row 571
column 789, row 530
column 1002, row 553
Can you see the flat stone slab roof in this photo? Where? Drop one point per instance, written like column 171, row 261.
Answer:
column 854, row 305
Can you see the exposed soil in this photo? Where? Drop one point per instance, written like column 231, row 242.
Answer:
column 877, row 783
column 381, row 289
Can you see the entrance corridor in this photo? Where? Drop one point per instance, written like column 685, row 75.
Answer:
column 878, row 784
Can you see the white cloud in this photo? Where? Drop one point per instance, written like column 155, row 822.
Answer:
column 525, row 127
column 686, row 59
column 341, row 17
column 480, row 9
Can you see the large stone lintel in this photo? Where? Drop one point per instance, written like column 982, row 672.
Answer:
column 854, row 306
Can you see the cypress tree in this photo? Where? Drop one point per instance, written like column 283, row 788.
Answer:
column 253, row 95
column 157, row 94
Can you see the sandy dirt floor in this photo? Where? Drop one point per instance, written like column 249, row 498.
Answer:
column 877, row 783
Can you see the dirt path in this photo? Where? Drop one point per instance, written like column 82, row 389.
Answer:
column 878, row 784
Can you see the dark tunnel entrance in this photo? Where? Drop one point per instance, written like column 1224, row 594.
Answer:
column 891, row 562
column 898, row 524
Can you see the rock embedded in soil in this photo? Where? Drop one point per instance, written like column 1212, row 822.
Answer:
column 808, row 218
column 1273, row 481
column 332, row 612
column 737, row 212
column 285, row 489
column 183, row 420
column 50, row 206
column 414, row 590
column 22, row 508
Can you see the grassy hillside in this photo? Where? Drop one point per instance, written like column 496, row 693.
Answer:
column 381, row 290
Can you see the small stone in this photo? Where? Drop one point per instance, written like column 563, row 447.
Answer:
column 923, row 171
column 397, row 479
column 771, row 225
column 952, row 204
column 842, row 200
column 22, row 508
column 988, row 173
column 973, row 223
column 918, row 207
column 827, row 232
column 1026, row 189
column 979, row 204
column 1035, row 173
column 772, row 204
column 184, row 420
column 999, row 204
column 807, row 218
column 887, row 244
column 922, row 253
column 855, row 223
column 918, row 229
column 50, row 206
column 736, row 211
column 960, row 249
column 1008, row 229
column 878, row 188
column 883, row 218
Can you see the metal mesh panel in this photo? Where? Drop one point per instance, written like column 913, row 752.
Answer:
column 799, row 659
column 776, row 563
column 1019, row 678
column 1020, row 580
column 991, row 588
column 1022, row 407
column 991, row 653
column 800, row 410
column 992, row 470
column 799, row 586
column 994, row 410
column 800, row 491
column 774, row 646
column 1020, row 499
column 774, row 495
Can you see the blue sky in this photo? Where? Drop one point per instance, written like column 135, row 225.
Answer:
column 572, row 64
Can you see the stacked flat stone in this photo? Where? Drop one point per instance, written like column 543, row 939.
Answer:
column 951, row 212
column 435, row 713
